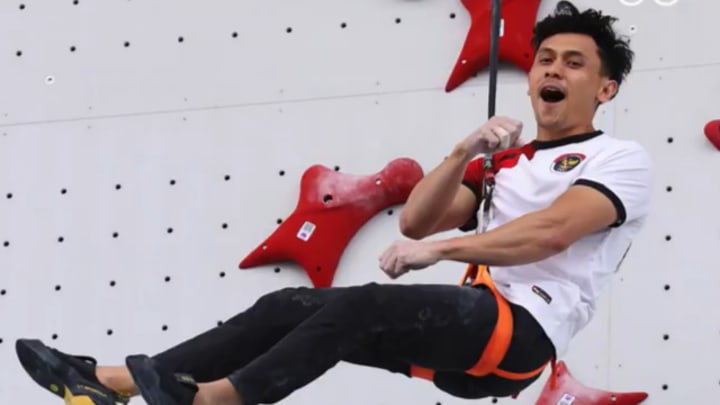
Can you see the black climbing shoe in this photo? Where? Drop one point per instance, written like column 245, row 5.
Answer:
column 159, row 386
column 70, row 377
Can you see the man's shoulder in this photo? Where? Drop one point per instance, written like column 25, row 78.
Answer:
column 622, row 150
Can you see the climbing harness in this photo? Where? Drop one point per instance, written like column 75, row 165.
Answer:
column 479, row 275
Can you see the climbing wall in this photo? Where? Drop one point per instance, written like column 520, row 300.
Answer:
column 147, row 147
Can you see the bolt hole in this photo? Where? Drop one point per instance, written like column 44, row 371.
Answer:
column 327, row 198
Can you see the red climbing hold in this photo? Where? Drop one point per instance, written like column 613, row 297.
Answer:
column 331, row 208
column 569, row 391
column 514, row 46
column 712, row 132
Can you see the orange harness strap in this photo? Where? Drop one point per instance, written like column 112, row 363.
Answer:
column 499, row 342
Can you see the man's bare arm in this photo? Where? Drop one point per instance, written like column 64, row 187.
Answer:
column 439, row 202
column 535, row 236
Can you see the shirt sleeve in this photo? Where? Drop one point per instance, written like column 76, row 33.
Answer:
column 625, row 177
column 472, row 179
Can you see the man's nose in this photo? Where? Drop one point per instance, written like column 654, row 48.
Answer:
column 552, row 71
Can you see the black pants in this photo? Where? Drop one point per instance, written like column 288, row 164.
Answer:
column 290, row 337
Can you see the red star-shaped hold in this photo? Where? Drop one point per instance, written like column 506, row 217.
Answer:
column 712, row 132
column 332, row 207
column 514, row 45
column 569, row 391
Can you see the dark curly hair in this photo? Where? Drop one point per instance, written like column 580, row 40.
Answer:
column 614, row 51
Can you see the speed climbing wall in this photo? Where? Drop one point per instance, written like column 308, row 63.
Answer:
column 147, row 147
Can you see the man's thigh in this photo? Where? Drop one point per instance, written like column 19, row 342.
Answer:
column 444, row 327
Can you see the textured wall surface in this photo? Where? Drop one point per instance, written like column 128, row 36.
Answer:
column 141, row 146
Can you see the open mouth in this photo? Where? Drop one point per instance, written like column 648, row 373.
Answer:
column 552, row 94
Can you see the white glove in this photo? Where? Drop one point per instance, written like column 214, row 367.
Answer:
column 498, row 134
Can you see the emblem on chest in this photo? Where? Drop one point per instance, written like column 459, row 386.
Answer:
column 567, row 162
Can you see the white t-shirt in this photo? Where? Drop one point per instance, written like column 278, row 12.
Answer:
column 561, row 291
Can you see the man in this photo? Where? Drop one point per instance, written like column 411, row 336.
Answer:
column 566, row 208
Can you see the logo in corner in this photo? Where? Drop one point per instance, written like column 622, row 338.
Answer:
column 567, row 162
column 540, row 292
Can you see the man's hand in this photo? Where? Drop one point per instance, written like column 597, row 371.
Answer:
column 405, row 255
column 498, row 134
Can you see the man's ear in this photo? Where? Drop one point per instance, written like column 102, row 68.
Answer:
column 607, row 91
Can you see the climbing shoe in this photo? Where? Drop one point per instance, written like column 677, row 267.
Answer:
column 159, row 386
column 70, row 377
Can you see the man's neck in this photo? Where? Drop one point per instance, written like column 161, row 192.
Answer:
column 547, row 134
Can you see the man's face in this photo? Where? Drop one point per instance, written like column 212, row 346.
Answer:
column 566, row 82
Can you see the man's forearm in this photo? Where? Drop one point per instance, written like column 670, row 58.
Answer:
column 434, row 193
column 527, row 239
